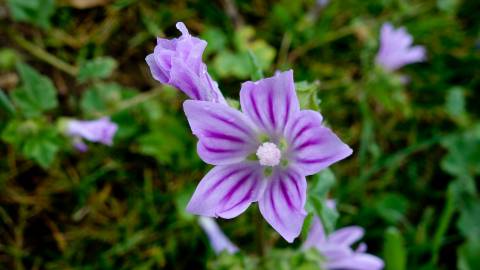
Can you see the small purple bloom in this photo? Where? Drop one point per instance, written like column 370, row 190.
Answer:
column 80, row 145
column 337, row 251
column 178, row 62
column 322, row 3
column 101, row 131
column 217, row 238
column 261, row 154
column 396, row 48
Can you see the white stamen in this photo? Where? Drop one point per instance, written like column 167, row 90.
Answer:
column 269, row 154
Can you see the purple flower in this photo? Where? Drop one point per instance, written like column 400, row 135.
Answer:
column 178, row 62
column 101, row 130
column 322, row 3
column 218, row 240
column 396, row 48
column 337, row 251
column 262, row 154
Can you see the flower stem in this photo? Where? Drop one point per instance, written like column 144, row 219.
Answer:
column 260, row 235
column 138, row 99
column 43, row 54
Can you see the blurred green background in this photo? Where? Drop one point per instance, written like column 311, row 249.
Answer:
column 411, row 182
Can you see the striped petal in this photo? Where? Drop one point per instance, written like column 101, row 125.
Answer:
column 346, row 236
column 225, row 135
column 283, row 201
column 227, row 191
column 271, row 102
column 357, row 261
column 316, row 235
column 312, row 146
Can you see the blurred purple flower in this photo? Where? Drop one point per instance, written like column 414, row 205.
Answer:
column 337, row 251
column 80, row 145
column 396, row 48
column 101, row 131
column 262, row 154
column 178, row 62
column 322, row 3
column 218, row 240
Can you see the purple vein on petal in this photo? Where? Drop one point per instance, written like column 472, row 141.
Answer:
column 274, row 208
column 309, row 161
column 255, row 107
column 247, row 195
column 287, row 109
column 283, row 189
column 270, row 109
column 228, row 122
column 225, row 177
column 292, row 179
column 222, row 136
column 308, row 143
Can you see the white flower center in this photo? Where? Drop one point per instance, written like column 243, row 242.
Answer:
column 269, row 154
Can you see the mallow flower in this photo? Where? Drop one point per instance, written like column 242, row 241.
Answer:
column 217, row 238
column 178, row 62
column 396, row 48
column 100, row 131
column 336, row 248
column 262, row 154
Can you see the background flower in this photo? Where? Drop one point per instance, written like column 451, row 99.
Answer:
column 336, row 248
column 218, row 240
column 396, row 48
column 178, row 62
column 101, row 131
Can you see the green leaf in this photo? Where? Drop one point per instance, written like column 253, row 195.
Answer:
column 102, row 97
column 463, row 153
column 468, row 258
column 256, row 73
column 455, row 103
column 8, row 58
column 216, row 40
column 392, row 207
column 469, row 221
column 317, row 199
column 6, row 104
column 98, row 68
column 36, row 94
column 37, row 12
column 42, row 148
column 394, row 250
column 228, row 64
column 307, row 95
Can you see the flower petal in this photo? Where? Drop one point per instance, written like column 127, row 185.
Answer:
column 271, row 102
column 227, row 191
column 178, row 62
column 282, row 204
column 346, row 236
column 218, row 239
column 313, row 147
column 226, row 135
column 101, row 130
column 396, row 48
column 316, row 235
column 358, row 261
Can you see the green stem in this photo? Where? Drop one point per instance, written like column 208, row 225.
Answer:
column 260, row 235
column 138, row 99
column 42, row 54
column 447, row 214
